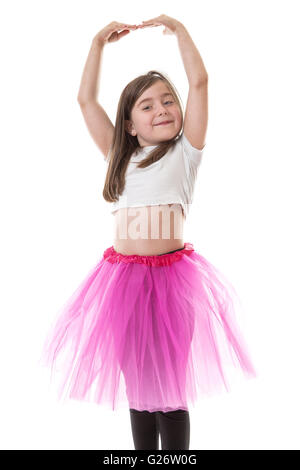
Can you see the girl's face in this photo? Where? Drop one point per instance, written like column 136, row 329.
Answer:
column 160, row 105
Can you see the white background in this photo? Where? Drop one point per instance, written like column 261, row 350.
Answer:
column 56, row 225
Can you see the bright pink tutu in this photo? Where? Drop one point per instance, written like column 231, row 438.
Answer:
column 149, row 332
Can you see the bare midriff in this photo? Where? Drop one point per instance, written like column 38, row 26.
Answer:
column 149, row 230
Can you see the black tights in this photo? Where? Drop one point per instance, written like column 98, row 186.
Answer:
column 173, row 427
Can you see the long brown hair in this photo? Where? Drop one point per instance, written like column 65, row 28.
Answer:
column 124, row 144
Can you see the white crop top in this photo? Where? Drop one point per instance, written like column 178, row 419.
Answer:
column 169, row 180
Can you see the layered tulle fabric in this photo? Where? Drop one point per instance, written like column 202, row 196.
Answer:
column 148, row 332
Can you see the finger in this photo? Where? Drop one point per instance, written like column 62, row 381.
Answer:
column 123, row 33
column 125, row 26
column 153, row 20
column 151, row 24
column 148, row 26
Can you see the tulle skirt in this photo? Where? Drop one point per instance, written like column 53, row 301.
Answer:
column 148, row 332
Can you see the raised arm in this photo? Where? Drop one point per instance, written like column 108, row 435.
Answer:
column 99, row 125
column 196, row 113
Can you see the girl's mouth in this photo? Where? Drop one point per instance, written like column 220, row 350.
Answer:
column 164, row 123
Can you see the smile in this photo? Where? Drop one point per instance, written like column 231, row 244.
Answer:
column 164, row 123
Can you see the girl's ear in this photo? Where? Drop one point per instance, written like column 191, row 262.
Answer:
column 129, row 127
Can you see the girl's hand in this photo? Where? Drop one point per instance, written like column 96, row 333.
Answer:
column 110, row 33
column 171, row 25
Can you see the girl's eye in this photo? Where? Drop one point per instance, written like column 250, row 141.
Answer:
column 164, row 103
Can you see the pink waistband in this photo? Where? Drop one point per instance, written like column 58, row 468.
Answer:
column 113, row 256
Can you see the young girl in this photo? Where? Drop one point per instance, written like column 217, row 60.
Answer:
column 153, row 325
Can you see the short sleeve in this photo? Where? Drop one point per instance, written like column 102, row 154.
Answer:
column 191, row 153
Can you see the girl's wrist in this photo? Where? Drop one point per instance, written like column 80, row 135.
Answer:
column 180, row 29
column 98, row 41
